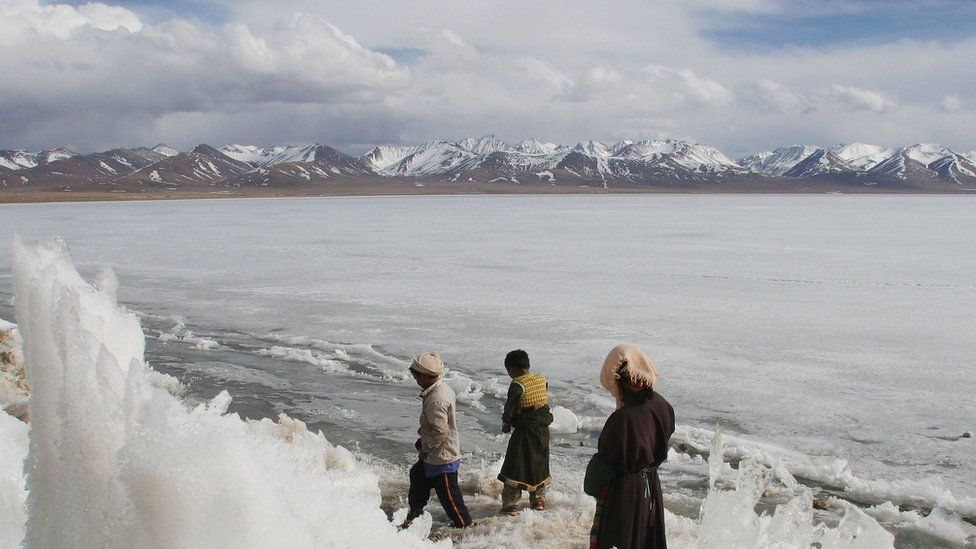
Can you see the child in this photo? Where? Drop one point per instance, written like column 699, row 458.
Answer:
column 526, row 464
column 439, row 446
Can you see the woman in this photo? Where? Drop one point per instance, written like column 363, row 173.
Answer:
column 633, row 443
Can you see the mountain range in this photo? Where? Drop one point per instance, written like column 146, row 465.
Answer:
column 671, row 164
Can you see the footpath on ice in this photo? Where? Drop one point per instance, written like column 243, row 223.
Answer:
column 116, row 457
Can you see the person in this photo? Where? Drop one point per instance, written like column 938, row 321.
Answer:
column 634, row 442
column 526, row 465
column 439, row 446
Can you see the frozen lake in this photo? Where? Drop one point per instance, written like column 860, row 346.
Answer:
column 839, row 327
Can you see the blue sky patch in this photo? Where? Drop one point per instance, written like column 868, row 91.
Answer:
column 804, row 24
column 155, row 11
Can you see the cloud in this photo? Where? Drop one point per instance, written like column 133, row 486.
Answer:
column 857, row 99
column 769, row 96
column 99, row 75
column 60, row 20
column 101, row 64
column 951, row 103
column 686, row 85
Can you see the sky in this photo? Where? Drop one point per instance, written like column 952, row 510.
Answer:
column 741, row 75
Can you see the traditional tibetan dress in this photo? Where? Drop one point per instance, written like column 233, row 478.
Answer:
column 630, row 510
column 526, row 464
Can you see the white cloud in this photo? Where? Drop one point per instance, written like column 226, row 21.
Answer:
column 770, row 96
column 62, row 20
column 857, row 99
column 686, row 85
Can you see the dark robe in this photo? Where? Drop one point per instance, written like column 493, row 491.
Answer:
column 634, row 441
column 526, row 465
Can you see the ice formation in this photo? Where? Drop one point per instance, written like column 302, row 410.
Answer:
column 116, row 461
column 729, row 520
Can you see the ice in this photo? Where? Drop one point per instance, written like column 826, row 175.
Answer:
column 119, row 462
column 938, row 522
column 13, row 495
column 729, row 519
column 834, row 473
column 564, row 420
column 795, row 340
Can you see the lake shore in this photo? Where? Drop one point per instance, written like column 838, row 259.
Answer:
column 399, row 187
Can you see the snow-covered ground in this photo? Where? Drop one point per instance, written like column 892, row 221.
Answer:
column 807, row 327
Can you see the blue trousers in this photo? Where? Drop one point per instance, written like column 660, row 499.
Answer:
column 448, row 492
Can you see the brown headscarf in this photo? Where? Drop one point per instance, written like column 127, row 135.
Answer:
column 640, row 370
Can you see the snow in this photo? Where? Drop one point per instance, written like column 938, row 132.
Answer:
column 18, row 159
column 165, row 150
column 484, row 145
column 255, row 155
column 154, row 175
column 534, row 146
column 926, row 153
column 779, row 161
column 384, row 156
column 436, row 158
column 60, row 153
column 863, row 156
column 120, row 159
column 594, row 148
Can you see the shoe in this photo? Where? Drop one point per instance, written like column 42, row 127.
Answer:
column 538, row 506
column 509, row 511
column 406, row 524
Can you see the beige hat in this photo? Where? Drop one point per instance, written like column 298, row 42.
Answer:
column 428, row 363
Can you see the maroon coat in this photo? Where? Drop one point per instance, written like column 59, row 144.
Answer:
column 635, row 439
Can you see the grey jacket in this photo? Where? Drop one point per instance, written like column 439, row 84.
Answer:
column 439, row 442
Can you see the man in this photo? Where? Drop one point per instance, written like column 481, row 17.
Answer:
column 439, row 446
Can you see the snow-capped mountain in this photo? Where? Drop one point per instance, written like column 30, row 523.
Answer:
column 923, row 161
column 594, row 148
column 599, row 160
column 269, row 156
column 384, row 156
column 484, row 145
column 165, row 150
column 779, row 161
column 956, row 168
column 202, row 166
column 533, row 146
column 862, row 156
column 437, row 158
column 821, row 162
column 303, row 165
column 629, row 163
column 249, row 153
column 20, row 159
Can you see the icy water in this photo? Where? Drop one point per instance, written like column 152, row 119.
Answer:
column 835, row 332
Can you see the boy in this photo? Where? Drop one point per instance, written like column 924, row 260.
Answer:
column 439, row 446
column 526, row 464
